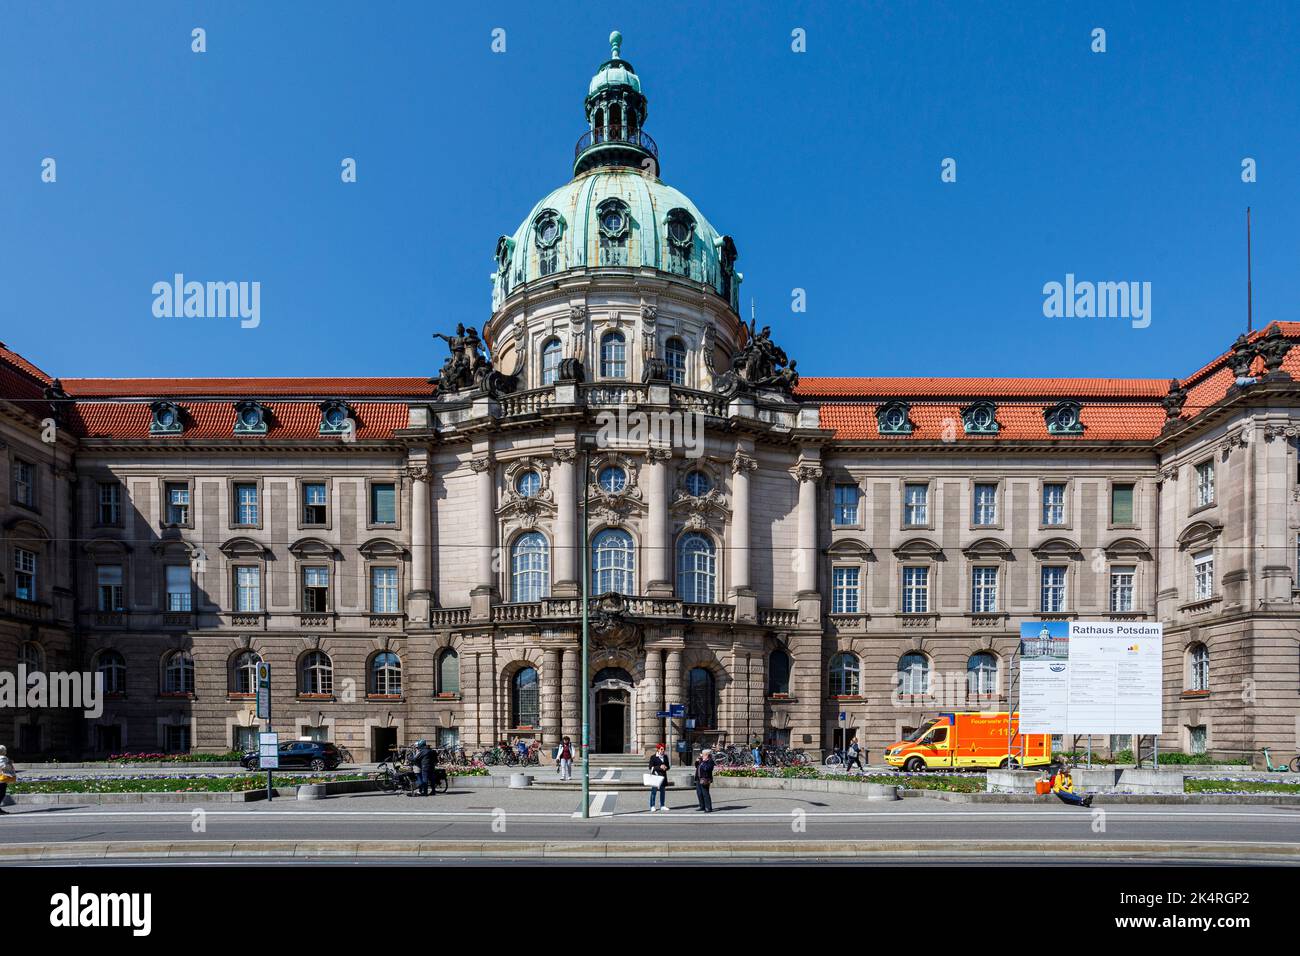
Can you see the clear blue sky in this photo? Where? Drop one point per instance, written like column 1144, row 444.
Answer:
column 824, row 166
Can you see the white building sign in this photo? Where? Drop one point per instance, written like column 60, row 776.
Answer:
column 1090, row 677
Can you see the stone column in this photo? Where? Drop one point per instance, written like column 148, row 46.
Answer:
column 741, row 593
column 657, row 543
column 673, row 687
column 651, row 692
column 419, row 597
column 571, row 704
column 484, row 592
column 563, row 483
column 808, row 473
column 550, row 693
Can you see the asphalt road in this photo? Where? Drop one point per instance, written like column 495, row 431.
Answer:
column 782, row 818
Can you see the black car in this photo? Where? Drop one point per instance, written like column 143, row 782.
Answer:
column 311, row 754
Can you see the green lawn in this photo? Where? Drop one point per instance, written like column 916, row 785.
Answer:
column 214, row 784
column 1239, row 786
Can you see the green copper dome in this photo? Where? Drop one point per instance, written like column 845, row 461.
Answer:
column 616, row 212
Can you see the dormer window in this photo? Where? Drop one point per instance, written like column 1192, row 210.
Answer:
column 250, row 418
column 612, row 216
column 548, row 227
column 1063, row 419
column 335, row 418
column 505, row 248
column 166, row 419
column 980, row 419
column 892, row 419
column 680, row 226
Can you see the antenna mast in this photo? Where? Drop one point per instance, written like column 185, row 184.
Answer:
column 1249, row 305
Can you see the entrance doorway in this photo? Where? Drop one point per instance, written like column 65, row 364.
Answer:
column 382, row 742
column 613, row 704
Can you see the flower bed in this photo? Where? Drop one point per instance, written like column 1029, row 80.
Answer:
column 188, row 783
column 949, row 782
column 1231, row 785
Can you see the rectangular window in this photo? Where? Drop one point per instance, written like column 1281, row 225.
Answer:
column 177, row 739
column 916, row 504
column 1121, row 504
column 845, row 591
column 383, row 503
column 110, row 503
column 1121, row 589
column 448, row 738
column 1053, row 591
column 984, row 590
column 985, row 507
column 1054, row 504
column 248, row 589
column 178, row 587
column 1120, row 742
column 1203, row 575
column 178, row 503
column 246, row 504
column 24, row 574
column 24, row 483
column 383, row 590
column 314, row 503
column 1205, row 484
column 109, row 579
column 1196, row 739
column 315, row 590
column 846, row 504
column 916, row 590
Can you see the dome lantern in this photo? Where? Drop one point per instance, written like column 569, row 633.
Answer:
column 616, row 112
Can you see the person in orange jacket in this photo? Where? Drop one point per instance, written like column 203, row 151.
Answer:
column 1063, row 787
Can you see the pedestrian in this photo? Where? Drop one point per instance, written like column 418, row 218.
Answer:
column 853, row 756
column 424, row 760
column 659, row 768
column 564, row 759
column 756, row 750
column 704, row 780
column 1063, row 787
column 8, row 775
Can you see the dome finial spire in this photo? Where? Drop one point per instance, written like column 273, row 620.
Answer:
column 615, row 44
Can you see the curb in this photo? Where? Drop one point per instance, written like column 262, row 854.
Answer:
column 658, row 850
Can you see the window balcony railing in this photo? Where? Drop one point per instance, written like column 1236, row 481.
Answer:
column 616, row 135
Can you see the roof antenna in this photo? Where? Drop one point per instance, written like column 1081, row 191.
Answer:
column 1250, row 319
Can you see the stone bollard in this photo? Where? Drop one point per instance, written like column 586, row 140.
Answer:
column 311, row 791
column 520, row 780
column 881, row 791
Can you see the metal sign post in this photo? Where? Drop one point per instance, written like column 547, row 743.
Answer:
column 266, row 738
column 586, row 635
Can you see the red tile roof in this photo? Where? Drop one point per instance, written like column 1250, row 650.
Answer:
column 318, row 388
column 1022, row 421
column 971, row 388
column 216, row 420
column 19, row 378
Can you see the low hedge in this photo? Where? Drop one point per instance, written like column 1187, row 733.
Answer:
column 226, row 783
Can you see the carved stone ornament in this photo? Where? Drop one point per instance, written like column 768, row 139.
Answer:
column 1272, row 348
column 742, row 462
column 419, row 472
column 808, row 472
column 611, row 626
column 481, row 464
column 1272, row 432
column 1175, row 400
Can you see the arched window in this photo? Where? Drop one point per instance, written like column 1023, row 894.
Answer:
column 702, row 698
column 552, row 353
column 982, row 674
column 613, row 221
column 613, row 355
column 530, row 567
column 675, row 359
column 449, row 673
column 528, row 484
column 316, row 675
column 845, row 671
column 778, row 673
column 612, row 563
column 523, row 698
column 178, row 673
column 386, row 675
column 697, row 571
column 32, row 657
column 1199, row 656
column 611, row 479
column 698, row 484
column 914, row 674
column 112, row 666
column 243, row 673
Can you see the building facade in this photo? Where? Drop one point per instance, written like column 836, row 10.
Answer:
column 796, row 560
